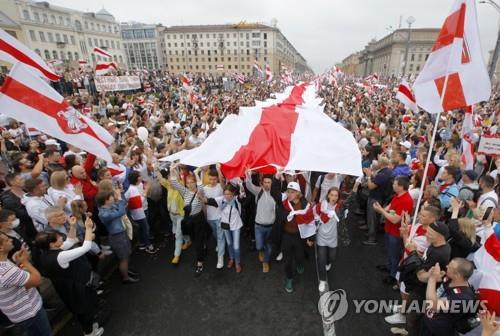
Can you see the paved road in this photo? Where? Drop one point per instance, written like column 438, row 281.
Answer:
column 171, row 301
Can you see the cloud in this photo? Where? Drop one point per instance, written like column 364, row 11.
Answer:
column 324, row 32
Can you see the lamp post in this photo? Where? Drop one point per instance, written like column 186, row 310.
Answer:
column 410, row 20
column 494, row 57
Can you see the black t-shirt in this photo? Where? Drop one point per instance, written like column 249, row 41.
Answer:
column 442, row 323
column 383, row 180
column 433, row 255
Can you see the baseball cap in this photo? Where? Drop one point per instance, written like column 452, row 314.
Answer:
column 441, row 228
column 51, row 142
column 471, row 174
column 406, row 143
column 294, row 186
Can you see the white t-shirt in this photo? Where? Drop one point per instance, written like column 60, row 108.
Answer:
column 486, row 200
column 327, row 183
column 213, row 213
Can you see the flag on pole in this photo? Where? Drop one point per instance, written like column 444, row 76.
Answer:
column 405, row 96
column 467, row 139
column 26, row 97
column 82, row 62
column 257, row 67
column 13, row 51
column 102, row 68
column 102, row 52
column 456, row 60
column 186, row 81
column 269, row 74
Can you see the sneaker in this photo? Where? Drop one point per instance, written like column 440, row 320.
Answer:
column 300, row 269
column 105, row 247
column 130, row 281
column 175, row 260
column 186, row 245
column 220, row 262
column 230, row 263
column 289, row 285
column 397, row 318
column 322, row 286
column 133, row 273
column 370, row 242
column 151, row 249
column 265, row 267
column 261, row 256
column 396, row 308
column 399, row 331
column 279, row 257
column 198, row 271
column 238, row 268
column 142, row 247
column 328, row 267
column 96, row 332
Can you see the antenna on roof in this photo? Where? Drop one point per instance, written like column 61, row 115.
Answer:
column 400, row 21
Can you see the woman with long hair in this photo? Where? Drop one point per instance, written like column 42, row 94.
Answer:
column 70, row 273
column 326, row 213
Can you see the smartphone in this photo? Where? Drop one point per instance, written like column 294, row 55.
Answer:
column 487, row 213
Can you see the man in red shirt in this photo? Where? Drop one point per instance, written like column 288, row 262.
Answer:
column 81, row 175
column 401, row 202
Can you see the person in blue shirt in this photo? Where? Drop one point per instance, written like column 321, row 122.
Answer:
column 448, row 188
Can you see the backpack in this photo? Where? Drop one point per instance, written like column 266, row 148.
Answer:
column 476, row 193
column 321, row 179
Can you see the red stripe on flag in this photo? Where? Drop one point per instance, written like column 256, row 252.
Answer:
column 270, row 141
column 491, row 297
column 452, row 27
column 492, row 246
column 23, row 58
column 34, row 99
column 454, row 96
column 135, row 202
column 404, row 90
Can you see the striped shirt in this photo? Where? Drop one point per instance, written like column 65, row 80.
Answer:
column 16, row 302
column 187, row 195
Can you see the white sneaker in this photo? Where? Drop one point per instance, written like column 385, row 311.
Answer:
column 96, row 331
column 105, row 247
column 220, row 262
column 399, row 331
column 279, row 257
column 322, row 286
column 397, row 318
column 106, row 252
column 328, row 267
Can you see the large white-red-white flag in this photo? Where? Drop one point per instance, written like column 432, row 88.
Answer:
column 26, row 97
column 102, row 68
column 467, row 139
column 102, row 52
column 454, row 75
column 186, row 81
column 290, row 131
column 13, row 51
column 405, row 96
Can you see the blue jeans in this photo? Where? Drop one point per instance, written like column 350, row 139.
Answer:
column 394, row 247
column 233, row 244
column 218, row 233
column 263, row 241
column 143, row 231
column 38, row 325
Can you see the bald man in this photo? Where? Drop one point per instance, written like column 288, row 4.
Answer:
column 81, row 175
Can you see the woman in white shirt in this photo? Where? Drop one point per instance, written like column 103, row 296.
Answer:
column 60, row 190
column 231, row 222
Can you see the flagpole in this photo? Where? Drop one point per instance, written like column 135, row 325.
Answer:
column 431, row 146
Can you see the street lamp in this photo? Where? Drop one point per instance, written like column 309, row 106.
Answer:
column 410, row 20
column 494, row 57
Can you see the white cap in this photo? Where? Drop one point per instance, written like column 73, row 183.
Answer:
column 294, row 186
column 406, row 143
column 50, row 142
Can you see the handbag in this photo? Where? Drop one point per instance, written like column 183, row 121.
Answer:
column 408, row 269
column 187, row 208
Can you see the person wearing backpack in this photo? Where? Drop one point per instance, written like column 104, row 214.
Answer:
column 488, row 198
column 323, row 184
column 446, row 311
column 469, row 188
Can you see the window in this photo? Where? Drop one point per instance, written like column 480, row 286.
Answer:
column 96, row 43
column 38, row 52
column 32, row 35
column 51, row 37
column 26, row 15
column 112, row 44
column 229, row 66
column 60, row 20
column 117, row 45
column 54, row 54
column 86, row 25
column 42, row 36
column 182, row 44
column 76, row 56
column 53, row 19
column 98, row 26
column 72, row 38
column 419, row 58
column 90, row 42
column 62, row 55
column 101, row 44
column 411, row 67
column 68, row 22
column 426, row 56
column 65, row 37
column 265, row 36
column 92, row 26
column 418, row 67
column 37, row 16
column 107, row 43
column 70, row 56
column 255, row 35
column 412, row 57
column 47, row 54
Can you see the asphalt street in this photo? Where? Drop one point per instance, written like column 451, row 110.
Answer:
column 171, row 301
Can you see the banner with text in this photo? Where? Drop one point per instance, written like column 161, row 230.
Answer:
column 489, row 145
column 117, row 83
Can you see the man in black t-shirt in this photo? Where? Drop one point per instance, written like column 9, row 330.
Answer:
column 438, row 252
column 449, row 302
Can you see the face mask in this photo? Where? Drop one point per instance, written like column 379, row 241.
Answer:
column 15, row 223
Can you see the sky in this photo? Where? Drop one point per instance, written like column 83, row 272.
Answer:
column 323, row 31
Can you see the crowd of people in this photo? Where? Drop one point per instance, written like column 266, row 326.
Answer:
column 63, row 211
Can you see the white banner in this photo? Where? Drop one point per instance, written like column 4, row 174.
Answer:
column 489, row 145
column 117, row 83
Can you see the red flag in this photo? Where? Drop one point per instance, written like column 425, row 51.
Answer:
column 269, row 73
column 102, row 52
column 405, row 95
column 454, row 75
column 26, row 97
column 103, row 68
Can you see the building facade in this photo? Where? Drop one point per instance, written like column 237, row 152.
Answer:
column 350, row 64
column 387, row 55
column 230, row 48
column 67, row 35
column 143, row 45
